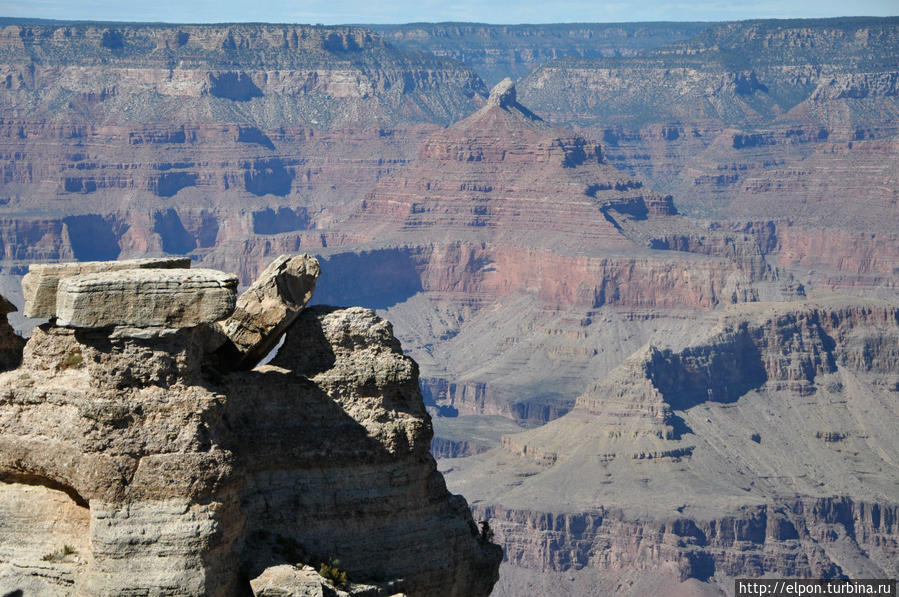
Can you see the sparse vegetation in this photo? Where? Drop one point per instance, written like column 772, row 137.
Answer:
column 330, row 571
column 74, row 359
column 60, row 554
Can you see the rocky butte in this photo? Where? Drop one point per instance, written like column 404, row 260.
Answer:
column 144, row 452
column 510, row 253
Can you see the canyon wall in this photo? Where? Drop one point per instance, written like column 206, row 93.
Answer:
column 763, row 449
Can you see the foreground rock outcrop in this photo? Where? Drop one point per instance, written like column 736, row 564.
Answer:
column 139, row 463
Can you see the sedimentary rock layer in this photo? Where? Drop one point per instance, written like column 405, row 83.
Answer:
column 145, row 298
column 760, row 449
column 165, row 473
column 41, row 283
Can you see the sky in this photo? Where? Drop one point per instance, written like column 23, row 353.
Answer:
column 330, row 12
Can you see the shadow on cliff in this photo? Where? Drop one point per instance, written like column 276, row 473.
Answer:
column 324, row 457
column 376, row 279
column 720, row 371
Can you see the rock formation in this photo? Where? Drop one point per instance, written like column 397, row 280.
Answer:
column 498, row 51
column 41, row 283
column 503, row 223
column 799, row 134
column 765, row 448
column 268, row 308
column 537, row 273
column 132, row 460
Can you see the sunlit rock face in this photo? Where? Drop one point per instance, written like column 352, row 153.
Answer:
column 138, row 457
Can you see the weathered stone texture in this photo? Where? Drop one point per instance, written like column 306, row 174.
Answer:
column 144, row 298
column 268, row 308
column 167, row 475
column 40, row 283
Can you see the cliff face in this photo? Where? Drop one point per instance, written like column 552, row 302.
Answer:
column 125, row 140
column 261, row 72
column 787, row 121
column 133, row 457
column 763, row 448
column 735, row 73
column 503, row 217
column 499, row 51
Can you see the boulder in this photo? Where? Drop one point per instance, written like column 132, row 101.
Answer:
column 503, row 94
column 40, row 283
column 145, row 298
column 267, row 309
column 287, row 581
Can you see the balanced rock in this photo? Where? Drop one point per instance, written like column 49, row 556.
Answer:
column 503, row 94
column 145, row 298
column 127, row 467
column 40, row 283
column 268, row 308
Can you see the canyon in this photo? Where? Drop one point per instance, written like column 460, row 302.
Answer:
column 651, row 286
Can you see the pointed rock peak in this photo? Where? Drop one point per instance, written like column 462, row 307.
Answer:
column 503, row 94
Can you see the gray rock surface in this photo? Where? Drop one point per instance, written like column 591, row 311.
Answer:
column 138, row 466
column 41, row 281
column 145, row 298
column 286, row 580
column 503, row 94
column 268, row 308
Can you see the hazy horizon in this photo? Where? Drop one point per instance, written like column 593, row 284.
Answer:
column 432, row 11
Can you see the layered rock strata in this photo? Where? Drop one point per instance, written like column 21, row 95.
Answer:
column 41, row 284
column 505, row 217
column 145, row 298
column 135, row 463
column 765, row 448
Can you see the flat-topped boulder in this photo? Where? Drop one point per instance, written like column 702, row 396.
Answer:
column 145, row 298
column 267, row 309
column 40, row 283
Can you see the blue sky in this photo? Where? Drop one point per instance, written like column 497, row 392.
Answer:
column 403, row 11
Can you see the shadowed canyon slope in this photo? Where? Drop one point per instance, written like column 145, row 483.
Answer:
column 652, row 286
column 763, row 448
